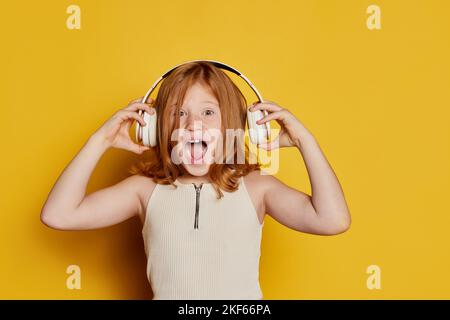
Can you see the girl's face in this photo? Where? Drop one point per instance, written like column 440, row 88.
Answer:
column 200, row 119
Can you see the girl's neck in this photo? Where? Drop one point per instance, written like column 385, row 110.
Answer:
column 187, row 179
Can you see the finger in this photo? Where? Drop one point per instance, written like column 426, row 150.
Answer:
column 125, row 115
column 135, row 100
column 268, row 101
column 140, row 106
column 271, row 116
column 266, row 106
column 139, row 149
column 127, row 126
column 268, row 146
column 149, row 100
column 274, row 144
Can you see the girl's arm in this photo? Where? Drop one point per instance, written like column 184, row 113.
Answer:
column 325, row 212
column 67, row 207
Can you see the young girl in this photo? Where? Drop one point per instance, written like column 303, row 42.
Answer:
column 202, row 219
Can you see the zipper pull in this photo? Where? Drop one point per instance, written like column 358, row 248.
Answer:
column 197, row 203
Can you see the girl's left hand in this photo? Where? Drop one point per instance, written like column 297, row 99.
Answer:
column 291, row 129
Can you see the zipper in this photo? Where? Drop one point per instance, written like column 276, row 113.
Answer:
column 197, row 203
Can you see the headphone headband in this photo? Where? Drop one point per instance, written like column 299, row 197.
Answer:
column 217, row 64
column 139, row 129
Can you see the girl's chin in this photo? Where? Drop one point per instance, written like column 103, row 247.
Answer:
column 196, row 170
column 196, row 163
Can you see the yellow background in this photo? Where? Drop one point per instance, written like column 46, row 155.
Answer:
column 376, row 100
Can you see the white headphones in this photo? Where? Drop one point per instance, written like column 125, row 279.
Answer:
column 258, row 133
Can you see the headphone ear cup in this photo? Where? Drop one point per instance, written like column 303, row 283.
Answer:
column 149, row 135
column 145, row 130
column 259, row 133
column 139, row 129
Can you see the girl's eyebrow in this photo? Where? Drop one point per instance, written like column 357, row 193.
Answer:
column 209, row 101
column 204, row 101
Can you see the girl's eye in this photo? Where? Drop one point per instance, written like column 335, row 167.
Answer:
column 180, row 113
column 208, row 112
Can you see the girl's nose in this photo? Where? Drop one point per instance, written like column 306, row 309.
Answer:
column 194, row 122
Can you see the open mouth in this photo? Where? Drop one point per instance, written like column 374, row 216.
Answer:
column 196, row 150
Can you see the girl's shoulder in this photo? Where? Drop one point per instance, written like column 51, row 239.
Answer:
column 261, row 181
column 254, row 183
column 144, row 186
column 258, row 180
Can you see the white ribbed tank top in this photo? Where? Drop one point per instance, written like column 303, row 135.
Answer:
column 215, row 256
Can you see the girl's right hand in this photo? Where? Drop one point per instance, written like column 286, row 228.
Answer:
column 115, row 131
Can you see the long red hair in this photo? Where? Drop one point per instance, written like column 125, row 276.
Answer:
column 233, row 109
